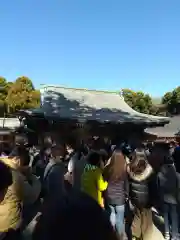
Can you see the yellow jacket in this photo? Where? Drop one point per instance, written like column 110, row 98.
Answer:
column 93, row 184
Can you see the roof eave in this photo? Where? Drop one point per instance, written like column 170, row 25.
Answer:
column 146, row 123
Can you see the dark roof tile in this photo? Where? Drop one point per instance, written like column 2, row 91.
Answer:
column 86, row 105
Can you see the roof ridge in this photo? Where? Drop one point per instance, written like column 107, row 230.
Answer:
column 81, row 89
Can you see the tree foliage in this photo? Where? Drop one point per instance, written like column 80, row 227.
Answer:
column 3, row 90
column 22, row 95
column 139, row 101
column 172, row 101
column 4, row 87
column 16, row 95
column 142, row 102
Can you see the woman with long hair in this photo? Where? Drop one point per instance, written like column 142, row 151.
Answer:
column 116, row 176
column 141, row 180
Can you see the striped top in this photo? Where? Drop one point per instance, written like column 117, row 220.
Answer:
column 116, row 192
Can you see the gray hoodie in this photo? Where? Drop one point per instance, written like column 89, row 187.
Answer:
column 168, row 185
column 54, row 178
column 76, row 167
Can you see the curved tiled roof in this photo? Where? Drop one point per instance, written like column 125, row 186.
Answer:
column 83, row 104
column 170, row 130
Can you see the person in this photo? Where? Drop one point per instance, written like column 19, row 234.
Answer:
column 140, row 193
column 127, row 151
column 11, row 188
column 92, row 182
column 176, row 157
column 76, row 167
column 40, row 161
column 26, row 187
column 70, row 154
column 53, row 180
column 31, row 184
column 172, row 147
column 116, row 176
column 76, row 216
column 72, row 157
column 6, row 180
column 168, row 188
column 70, row 151
column 104, row 155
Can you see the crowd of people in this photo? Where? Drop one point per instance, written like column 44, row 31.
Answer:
column 90, row 191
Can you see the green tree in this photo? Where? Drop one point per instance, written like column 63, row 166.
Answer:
column 4, row 86
column 172, row 101
column 138, row 101
column 22, row 95
column 129, row 97
column 25, row 83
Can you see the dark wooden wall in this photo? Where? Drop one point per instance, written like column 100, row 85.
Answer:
column 66, row 129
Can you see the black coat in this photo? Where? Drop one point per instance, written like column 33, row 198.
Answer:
column 168, row 184
column 140, row 188
column 176, row 158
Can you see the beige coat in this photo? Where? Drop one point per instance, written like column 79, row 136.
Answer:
column 18, row 194
column 10, row 207
column 143, row 226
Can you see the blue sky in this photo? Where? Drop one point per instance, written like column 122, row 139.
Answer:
column 97, row 44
